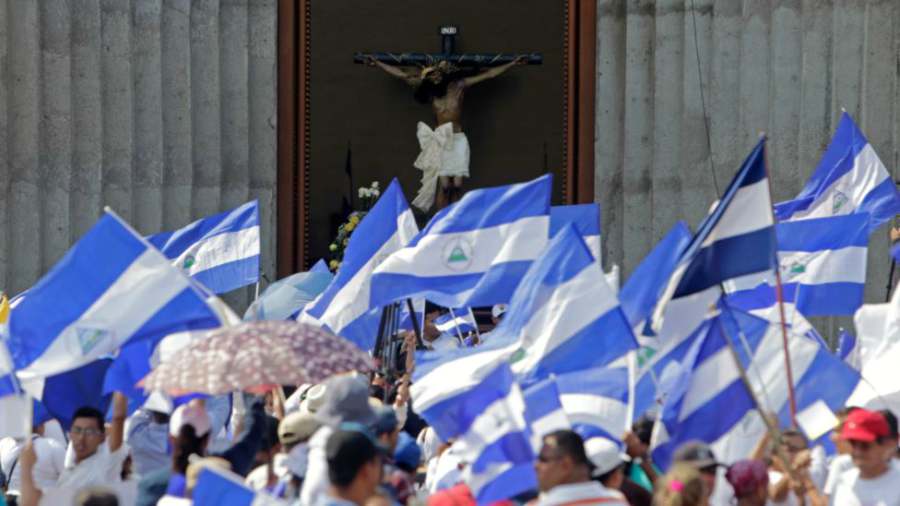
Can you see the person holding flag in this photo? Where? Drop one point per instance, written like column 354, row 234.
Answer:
column 98, row 457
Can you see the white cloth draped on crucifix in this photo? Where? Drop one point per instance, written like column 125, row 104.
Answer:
column 444, row 153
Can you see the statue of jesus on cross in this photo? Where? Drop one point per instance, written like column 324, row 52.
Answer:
column 441, row 80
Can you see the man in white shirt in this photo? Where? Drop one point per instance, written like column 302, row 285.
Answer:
column 94, row 463
column 51, row 456
column 346, row 400
column 564, row 474
column 872, row 481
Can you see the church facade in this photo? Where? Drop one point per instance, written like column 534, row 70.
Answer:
column 169, row 110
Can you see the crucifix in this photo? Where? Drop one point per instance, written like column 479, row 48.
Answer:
column 440, row 79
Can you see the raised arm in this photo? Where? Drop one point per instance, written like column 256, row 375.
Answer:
column 394, row 71
column 494, row 71
column 117, row 425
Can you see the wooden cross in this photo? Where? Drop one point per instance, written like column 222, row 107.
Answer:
column 448, row 48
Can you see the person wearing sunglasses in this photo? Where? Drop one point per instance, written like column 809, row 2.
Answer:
column 564, row 474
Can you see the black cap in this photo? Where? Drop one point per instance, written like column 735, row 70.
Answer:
column 697, row 454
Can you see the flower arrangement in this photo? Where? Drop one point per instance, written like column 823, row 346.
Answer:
column 367, row 198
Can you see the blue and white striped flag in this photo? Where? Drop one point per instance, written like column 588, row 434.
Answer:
column 219, row 251
column 596, row 402
column 472, row 253
column 736, row 239
column 216, row 487
column 345, row 307
column 585, row 218
column 484, row 412
column 459, row 321
column 850, row 179
column 642, row 290
column 823, row 267
column 110, row 288
column 705, row 397
column 564, row 316
column 544, row 411
column 706, row 400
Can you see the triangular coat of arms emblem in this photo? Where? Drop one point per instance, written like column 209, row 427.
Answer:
column 838, row 201
column 457, row 255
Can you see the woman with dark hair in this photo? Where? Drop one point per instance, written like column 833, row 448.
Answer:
column 189, row 434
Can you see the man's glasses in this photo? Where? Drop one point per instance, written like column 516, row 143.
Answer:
column 78, row 431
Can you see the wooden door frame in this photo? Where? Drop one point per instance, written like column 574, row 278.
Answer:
column 294, row 121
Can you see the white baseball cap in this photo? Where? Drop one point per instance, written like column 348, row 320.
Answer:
column 604, row 454
column 188, row 414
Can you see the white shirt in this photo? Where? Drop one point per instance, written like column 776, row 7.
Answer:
column 100, row 469
column 444, row 342
column 581, row 492
column 47, row 468
column 315, row 484
column 839, row 465
column 790, row 499
column 851, row 490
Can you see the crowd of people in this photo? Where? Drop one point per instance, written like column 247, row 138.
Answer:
column 355, row 440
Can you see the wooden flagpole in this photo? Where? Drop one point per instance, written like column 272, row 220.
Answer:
column 779, row 296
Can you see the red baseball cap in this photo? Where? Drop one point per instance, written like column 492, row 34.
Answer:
column 864, row 425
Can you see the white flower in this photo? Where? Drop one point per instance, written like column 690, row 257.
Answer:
column 363, row 193
column 375, row 193
column 375, row 184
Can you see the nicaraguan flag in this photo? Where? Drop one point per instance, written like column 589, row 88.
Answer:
column 822, row 385
column 460, row 321
column 345, row 306
column 595, row 402
column 216, row 487
column 220, row 251
column 110, row 288
column 850, row 179
column 736, row 239
column 484, row 412
column 544, row 411
column 705, row 397
column 642, row 290
column 564, row 316
column 585, row 218
column 823, row 267
column 706, row 400
column 472, row 253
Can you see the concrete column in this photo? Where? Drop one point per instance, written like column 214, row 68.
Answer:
column 23, row 115
column 86, row 200
column 176, row 112
column 118, row 116
column 148, row 127
column 206, row 113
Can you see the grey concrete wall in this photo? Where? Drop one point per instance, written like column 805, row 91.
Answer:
column 162, row 109
column 785, row 67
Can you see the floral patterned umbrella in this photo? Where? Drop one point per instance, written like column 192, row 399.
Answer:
column 256, row 356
